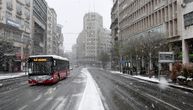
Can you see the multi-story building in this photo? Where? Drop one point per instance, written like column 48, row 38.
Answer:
column 187, row 27
column 143, row 19
column 104, row 41
column 74, row 54
column 39, row 23
column 49, row 32
column 15, row 27
column 114, row 19
column 81, row 47
column 54, row 36
column 115, row 33
column 91, row 40
column 59, row 39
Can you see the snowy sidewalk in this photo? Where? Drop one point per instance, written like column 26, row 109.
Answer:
column 163, row 83
column 11, row 75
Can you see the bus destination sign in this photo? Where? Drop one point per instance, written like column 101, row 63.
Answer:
column 40, row 60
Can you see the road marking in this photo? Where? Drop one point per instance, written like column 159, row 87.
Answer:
column 79, row 81
column 23, row 107
column 155, row 98
column 37, row 98
column 162, row 101
column 59, row 103
column 77, row 95
column 41, row 106
column 50, row 91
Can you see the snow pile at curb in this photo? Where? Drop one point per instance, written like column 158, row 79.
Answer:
column 116, row 72
column 91, row 99
column 12, row 75
column 147, row 78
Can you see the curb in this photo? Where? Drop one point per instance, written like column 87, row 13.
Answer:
column 171, row 85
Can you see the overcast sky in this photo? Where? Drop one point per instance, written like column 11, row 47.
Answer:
column 70, row 14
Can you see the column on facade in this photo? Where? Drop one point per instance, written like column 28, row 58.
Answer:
column 185, row 51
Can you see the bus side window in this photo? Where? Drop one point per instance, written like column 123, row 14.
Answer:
column 55, row 66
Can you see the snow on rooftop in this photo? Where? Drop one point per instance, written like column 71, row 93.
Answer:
column 91, row 98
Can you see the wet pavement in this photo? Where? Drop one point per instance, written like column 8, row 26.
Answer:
column 65, row 95
column 116, row 91
column 123, row 92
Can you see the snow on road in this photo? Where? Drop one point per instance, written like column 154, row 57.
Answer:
column 91, row 99
column 11, row 75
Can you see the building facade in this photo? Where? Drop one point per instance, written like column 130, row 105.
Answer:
column 15, row 27
column 115, row 33
column 150, row 20
column 39, row 23
column 49, row 32
column 59, row 40
column 92, row 40
column 187, row 26
column 31, row 27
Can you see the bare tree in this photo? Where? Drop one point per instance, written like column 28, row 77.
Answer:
column 104, row 58
column 5, row 48
column 145, row 48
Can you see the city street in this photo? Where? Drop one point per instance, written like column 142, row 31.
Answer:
column 123, row 92
column 65, row 95
column 108, row 91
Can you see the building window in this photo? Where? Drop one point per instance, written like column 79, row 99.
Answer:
column 27, row 2
column 9, row 5
column 188, row 19
column 8, row 15
column 19, row 9
column 187, row 1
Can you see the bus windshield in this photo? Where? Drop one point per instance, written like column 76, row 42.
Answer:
column 40, row 68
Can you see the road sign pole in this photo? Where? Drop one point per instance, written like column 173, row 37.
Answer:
column 159, row 71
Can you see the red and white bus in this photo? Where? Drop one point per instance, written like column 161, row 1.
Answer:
column 47, row 69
